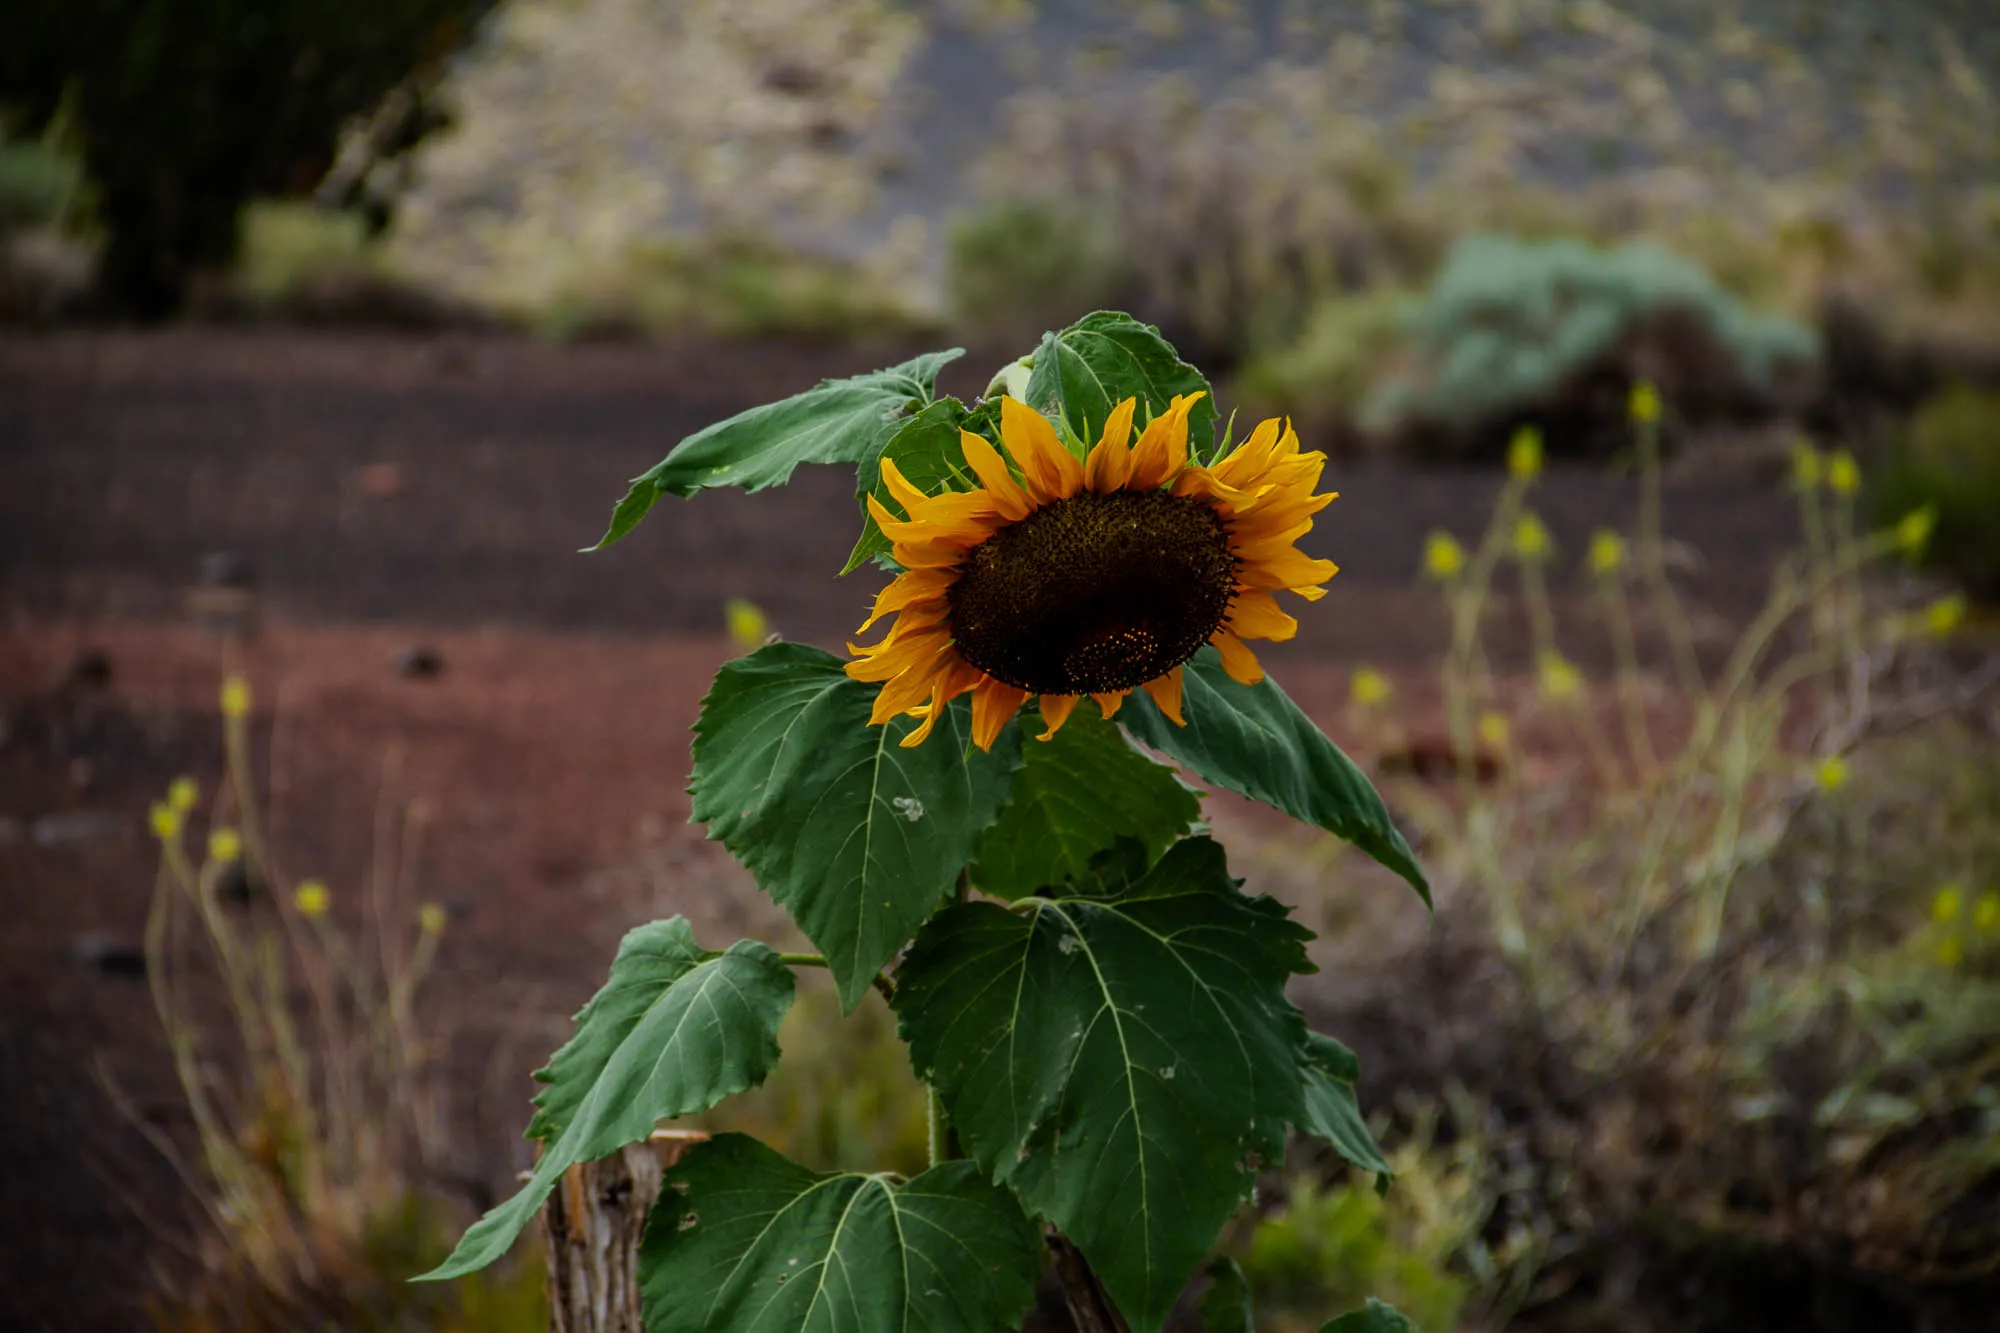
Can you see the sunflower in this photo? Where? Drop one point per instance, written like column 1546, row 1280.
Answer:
column 1063, row 578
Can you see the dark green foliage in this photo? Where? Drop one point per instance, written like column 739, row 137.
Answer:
column 1017, row 267
column 1949, row 462
column 188, row 108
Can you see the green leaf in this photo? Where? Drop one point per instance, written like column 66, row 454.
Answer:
column 840, row 421
column 1376, row 1318
column 857, row 838
column 744, row 1241
column 674, row 1031
column 1332, row 1111
column 1120, row 1063
column 1253, row 740
column 1073, row 798
column 1105, row 358
column 1225, row 1306
column 927, row 452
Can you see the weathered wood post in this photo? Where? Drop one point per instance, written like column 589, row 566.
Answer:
column 593, row 1222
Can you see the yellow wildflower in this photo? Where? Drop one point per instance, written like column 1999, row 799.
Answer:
column 748, row 625
column 1843, row 474
column 1948, row 903
column 1560, row 680
column 1950, row 950
column 1524, row 453
column 1808, row 468
column 1945, row 614
column 1531, row 537
column 312, row 899
column 1986, row 916
column 1913, row 530
column 1607, row 552
column 182, row 793
column 1831, row 775
column 431, row 918
column 1493, row 730
column 1443, row 556
column 224, row 845
column 1645, row 402
column 165, row 821
column 1368, row 687
column 235, row 697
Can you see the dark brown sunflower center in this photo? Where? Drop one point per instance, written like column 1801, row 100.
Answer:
column 1094, row 593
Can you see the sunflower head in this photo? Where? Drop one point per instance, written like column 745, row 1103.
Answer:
column 1062, row 576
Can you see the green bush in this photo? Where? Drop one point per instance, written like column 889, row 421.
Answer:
column 39, row 186
column 1949, row 462
column 288, row 247
column 1018, row 266
column 1325, row 374
column 189, row 108
column 1508, row 323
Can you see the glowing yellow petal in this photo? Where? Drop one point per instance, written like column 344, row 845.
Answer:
column 1237, row 660
column 1162, row 449
column 909, row 589
column 899, row 486
column 1256, row 615
column 958, row 676
column 1050, row 471
column 991, row 469
column 993, row 702
column 1110, row 463
column 1109, row 704
column 1166, row 692
column 1243, row 464
column 1056, row 709
column 906, row 646
column 1290, row 568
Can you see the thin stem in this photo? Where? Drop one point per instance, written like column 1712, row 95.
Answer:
column 880, row 981
column 936, row 1135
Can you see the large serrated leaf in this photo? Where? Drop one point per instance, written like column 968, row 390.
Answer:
column 674, row 1031
column 1104, row 358
column 1254, row 740
column 1074, row 797
column 927, row 452
column 857, row 838
column 1374, row 1318
column 839, row 421
column 744, row 1241
column 1332, row 1111
column 1120, row 1063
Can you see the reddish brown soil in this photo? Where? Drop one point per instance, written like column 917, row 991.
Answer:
column 546, row 760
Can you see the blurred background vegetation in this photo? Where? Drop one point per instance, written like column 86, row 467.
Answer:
column 1705, row 1033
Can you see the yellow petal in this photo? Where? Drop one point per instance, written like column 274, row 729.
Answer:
column 1162, row 449
column 911, row 588
column 1056, row 709
column 1166, row 692
column 991, row 469
column 993, row 702
column 1110, row 463
column 1109, row 704
column 899, row 486
column 1237, row 660
column 1242, row 465
column 1049, row 471
column 1256, row 615
column 957, row 677
column 1290, row 568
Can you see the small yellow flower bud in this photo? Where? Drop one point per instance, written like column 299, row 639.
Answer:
column 1948, row 903
column 1831, row 775
column 312, row 899
column 1607, row 552
column 1950, row 950
column 1913, row 530
column 1945, row 614
column 1531, row 537
column 1559, row 678
column 165, row 821
column 1986, row 916
column 1368, row 687
column 1524, row 453
column 1645, row 402
column 1808, row 468
column 1493, row 730
column 1843, row 474
column 431, row 918
column 1443, row 556
column 235, row 697
column 224, row 845
column 749, row 627
column 182, row 793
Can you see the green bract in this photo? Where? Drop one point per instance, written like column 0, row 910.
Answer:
column 1098, row 1010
